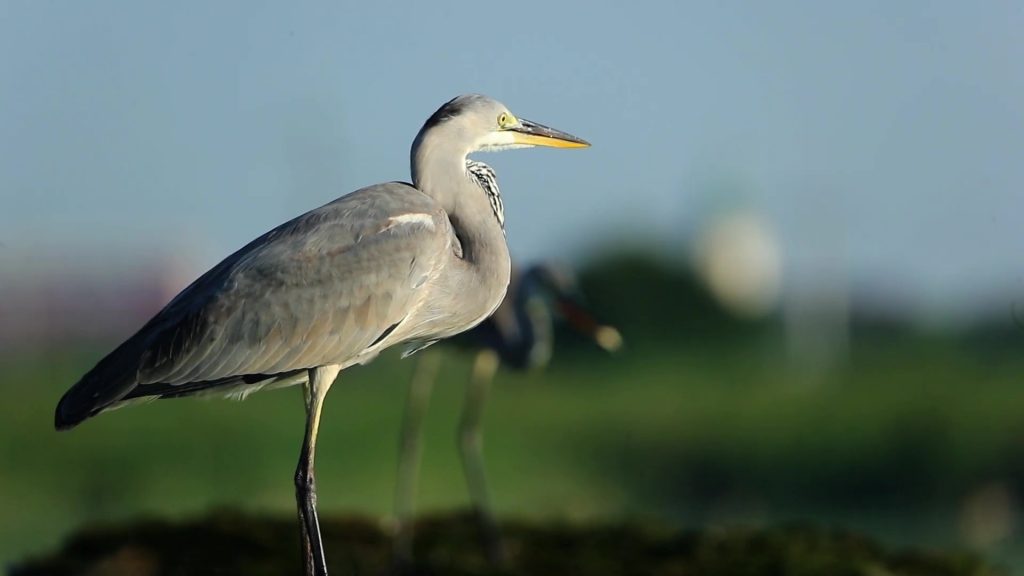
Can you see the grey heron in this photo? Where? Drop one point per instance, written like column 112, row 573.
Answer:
column 520, row 336
column 386, row 265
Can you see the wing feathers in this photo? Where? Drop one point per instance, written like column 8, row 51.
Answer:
column 317, row 290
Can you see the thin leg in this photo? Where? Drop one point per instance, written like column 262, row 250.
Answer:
column 409, row 451
column 320, row 380
column 471, row 450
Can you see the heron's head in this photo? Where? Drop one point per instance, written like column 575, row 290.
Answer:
column 477, row 123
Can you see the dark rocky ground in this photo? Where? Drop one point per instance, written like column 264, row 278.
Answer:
column 233, row 543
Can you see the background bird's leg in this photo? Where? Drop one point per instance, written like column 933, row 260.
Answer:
column 320, row 380
column 409, row 450
column 471, row 450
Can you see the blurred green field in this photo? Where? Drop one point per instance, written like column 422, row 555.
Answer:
column 897, row 443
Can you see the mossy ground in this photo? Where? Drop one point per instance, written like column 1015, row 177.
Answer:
column 233, row 543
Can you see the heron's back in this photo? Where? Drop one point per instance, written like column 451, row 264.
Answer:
column 329, row 287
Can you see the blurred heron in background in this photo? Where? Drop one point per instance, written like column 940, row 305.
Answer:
column 386, row 265
column 519, row 335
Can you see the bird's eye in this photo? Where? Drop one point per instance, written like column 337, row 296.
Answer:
column 505, row 120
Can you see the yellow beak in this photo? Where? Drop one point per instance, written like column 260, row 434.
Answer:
column 533, row 134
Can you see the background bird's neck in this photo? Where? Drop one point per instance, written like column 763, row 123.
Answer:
column 533, row 316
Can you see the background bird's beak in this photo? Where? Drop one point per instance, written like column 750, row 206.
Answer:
column 580, row 319
column 533, row 134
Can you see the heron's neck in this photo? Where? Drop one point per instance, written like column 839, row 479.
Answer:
column 442, row 174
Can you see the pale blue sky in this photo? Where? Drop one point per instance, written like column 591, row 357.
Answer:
column 889, row 136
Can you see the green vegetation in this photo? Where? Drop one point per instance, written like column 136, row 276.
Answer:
column 448, row 545
column 700, row 435
column 701, row 422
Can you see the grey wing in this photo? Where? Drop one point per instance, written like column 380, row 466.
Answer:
column 321, row 289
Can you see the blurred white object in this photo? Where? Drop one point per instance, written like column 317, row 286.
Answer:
column 988, row 516
column 739, row 259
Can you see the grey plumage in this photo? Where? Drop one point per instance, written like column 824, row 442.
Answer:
column 389, row 264
column 317, row 290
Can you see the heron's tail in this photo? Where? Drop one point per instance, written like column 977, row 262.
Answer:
column 84, row 400
column 109, row 381
column 72, row 408
column 68, row 414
